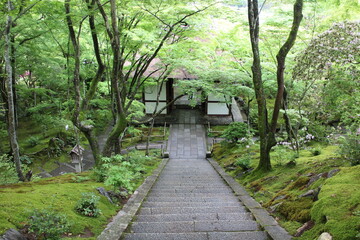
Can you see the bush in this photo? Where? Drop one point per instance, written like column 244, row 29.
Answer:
column 121, row 177
column 236, row 131
column 47, row 224
column 350, row 148
column 33, row 141
column 243, row 162
column 87, row 205
column 26, row 160
column 7, row 169
column 315, row 151
column 284, row 155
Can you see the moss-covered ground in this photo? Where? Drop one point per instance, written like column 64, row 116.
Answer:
column 60, row 194
column 334, row 206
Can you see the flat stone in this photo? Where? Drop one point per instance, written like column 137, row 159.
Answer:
column 163, row 227
column 166, row 236
column 277, row 232
column 225, row 226
column 191, row 204
column 188, row 210
column 12, row 234
column 256, row 235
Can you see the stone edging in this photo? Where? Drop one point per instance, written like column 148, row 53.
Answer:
column 270, row 225
column 120, row 222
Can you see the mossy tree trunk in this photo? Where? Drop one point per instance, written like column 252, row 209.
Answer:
column 81, row 105
column 11, row 121
column 267, row 131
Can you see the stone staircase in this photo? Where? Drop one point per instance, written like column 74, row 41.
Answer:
column 190, row 200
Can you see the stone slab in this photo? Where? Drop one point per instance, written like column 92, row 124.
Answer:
column 163, row 227
column 225, row 226
column 257, row 235
column 166, row 236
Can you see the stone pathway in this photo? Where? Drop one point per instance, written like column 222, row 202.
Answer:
column 190, row 200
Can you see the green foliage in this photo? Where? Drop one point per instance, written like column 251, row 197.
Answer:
column 120, row 172
column 87, row 205
column 236, row 131
column 315, row 151
column 8, row 173
column 350, row 148
column 243, row 162
column 121, row 176
column 25, row 159
column 283, row 155
column 33, row 141
column 47, row 224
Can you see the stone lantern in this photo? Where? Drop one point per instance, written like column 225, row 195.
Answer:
column 76, row 155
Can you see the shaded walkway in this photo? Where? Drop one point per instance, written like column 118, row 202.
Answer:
column 190, row 200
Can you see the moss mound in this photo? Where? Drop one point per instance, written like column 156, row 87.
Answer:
column 338, row 208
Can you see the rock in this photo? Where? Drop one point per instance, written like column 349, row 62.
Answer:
column 103, row 192
column 325, row 236
column 309, row 193
column 314, row 179
column 313, row 193
column 281, row 197
column 333, row 172
column 13, row 234
column 307, row 226
column 275, row 207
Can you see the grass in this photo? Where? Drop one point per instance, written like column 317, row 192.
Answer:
column 337, row 209
column 60, row 194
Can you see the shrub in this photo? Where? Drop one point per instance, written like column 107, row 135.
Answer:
column 284, row 155
column 121, row 177
column 26, row 160
column 243, row 162
column 87, row 205
column 33, row 141
column 350, row 148
column 315, row 151
column 7, row 169
column 235, row 131
column 47, row 224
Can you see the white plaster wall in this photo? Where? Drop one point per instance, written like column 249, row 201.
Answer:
column 217, row 109
column 152, row 91
column 150, row 106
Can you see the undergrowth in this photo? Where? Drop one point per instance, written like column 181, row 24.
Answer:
column 334, row 204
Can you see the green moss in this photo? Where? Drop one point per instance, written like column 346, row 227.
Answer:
column 60, row 194
column 298, row 210
column 338, row 204
column 56, row 193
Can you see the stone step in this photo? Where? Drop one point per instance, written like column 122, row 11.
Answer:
column 195, row 226
column 174, row 188
column 166, row 236
column 194, row 217
column 192, row 199
column 189, row 194
column 191, row 204
column 167, row 184
column 257, row 235
column 189, row 210
column 192, row 190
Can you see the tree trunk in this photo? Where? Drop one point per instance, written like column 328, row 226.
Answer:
column 10, row 97
column 266, row 132
column 263, row 125
column 113, row 138
column 85, row 129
